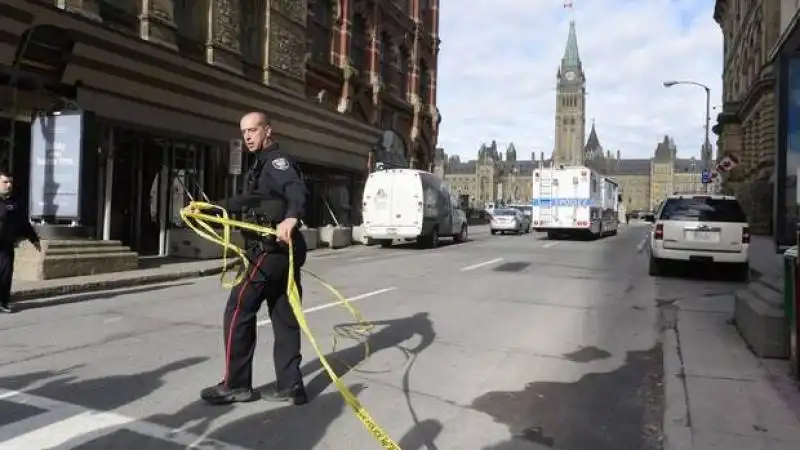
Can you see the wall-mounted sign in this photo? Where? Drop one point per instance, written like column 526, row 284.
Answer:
column 235, row 157
column 56, row 159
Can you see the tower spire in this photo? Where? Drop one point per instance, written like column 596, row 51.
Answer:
column 571, row 56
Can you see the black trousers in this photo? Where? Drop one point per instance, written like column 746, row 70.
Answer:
column 266, row 279
column 6, row 273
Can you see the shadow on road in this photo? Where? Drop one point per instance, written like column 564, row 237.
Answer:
column 295, row 427
column 421, row 435
column 601, row 411
column 101, row 394
column 392, row 335
column 304, row 427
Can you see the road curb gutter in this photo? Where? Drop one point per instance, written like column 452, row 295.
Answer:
column 37, row 293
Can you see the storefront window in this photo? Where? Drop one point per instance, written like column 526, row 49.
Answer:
column 333, row 196
column 789, row 154
column 187, row 181
column 338, row 198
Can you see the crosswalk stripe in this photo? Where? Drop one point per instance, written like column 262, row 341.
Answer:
column 69, row 424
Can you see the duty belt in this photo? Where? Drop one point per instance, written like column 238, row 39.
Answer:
column 251, row 239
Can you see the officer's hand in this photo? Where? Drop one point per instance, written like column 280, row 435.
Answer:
column 285, row 229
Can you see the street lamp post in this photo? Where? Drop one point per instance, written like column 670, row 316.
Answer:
column 707, row 142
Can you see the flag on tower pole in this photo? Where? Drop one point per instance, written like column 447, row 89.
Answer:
column 568, row 4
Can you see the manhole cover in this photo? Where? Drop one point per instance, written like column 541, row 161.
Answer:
column 511, row 267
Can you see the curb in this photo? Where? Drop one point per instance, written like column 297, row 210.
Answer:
column 128, row 280
column 104, row 285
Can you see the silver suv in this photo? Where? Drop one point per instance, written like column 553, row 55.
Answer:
column 700, row 228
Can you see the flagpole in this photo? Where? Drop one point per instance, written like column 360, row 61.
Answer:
column 568, row 5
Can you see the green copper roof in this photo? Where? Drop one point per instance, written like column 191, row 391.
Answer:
column 571, row 56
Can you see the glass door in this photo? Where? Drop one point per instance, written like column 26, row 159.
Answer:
column 124, row 188
column 150, row 201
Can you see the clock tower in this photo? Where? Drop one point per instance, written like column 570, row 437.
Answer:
column 570, row 123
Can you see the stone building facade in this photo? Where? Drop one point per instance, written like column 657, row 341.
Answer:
column 496, row 176
column 747, row 125
column 165, row 82
column 377, row 60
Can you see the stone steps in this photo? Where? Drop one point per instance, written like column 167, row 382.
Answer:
column 72, row 258
column 86, row 249
column 760, row 318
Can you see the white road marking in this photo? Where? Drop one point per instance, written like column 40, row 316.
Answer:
column 69, row 423
column 482, row 264
column 549, row 244
column 640, row 247
column 261, row 323
column 384, row 256
column 365, row 258
column 325, row 256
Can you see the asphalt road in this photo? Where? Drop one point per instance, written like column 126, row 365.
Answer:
column 503, row 342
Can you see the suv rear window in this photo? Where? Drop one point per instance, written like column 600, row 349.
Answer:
column 505, row 212
column 703, row 209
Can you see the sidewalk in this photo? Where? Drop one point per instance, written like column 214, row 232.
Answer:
column 719, row 394
column 152, row 271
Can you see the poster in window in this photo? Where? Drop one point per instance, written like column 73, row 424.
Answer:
column 56, row 151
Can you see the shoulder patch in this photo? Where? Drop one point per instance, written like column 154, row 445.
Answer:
column 280, row 163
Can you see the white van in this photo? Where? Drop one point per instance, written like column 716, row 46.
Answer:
column 410, row 205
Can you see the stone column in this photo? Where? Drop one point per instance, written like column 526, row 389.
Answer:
column 223, row 47
column 286, row 45
column 157, row 22
column 86, row 8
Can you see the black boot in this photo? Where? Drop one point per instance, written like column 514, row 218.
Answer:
column 223, row 395
column 6, row 309
column 295, row 394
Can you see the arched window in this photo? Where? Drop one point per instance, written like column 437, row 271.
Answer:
column 358, row 43
column 402, row 72
column 319, row 29
column 424, row 82
column 385, row 57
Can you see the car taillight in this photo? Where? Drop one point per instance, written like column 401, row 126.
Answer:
column 659, row 233
column 746, row 235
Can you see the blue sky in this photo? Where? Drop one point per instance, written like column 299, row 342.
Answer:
column 499, row 58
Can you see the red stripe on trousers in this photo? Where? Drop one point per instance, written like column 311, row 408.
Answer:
column 235, row 317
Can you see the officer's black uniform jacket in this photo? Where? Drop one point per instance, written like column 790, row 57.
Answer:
column 14, row 225
column 274, row 189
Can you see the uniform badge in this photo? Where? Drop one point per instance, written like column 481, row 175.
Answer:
column 280, row 163
column 10, row 207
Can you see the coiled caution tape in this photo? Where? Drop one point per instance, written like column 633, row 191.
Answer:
column 199, row 222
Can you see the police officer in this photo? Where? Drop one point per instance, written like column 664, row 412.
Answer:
column 14, row 226
column 274, row 195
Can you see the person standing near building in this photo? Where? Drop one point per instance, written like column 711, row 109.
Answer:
column 14, row 226
column 274, row 195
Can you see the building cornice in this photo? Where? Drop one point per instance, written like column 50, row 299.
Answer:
column 720, row 8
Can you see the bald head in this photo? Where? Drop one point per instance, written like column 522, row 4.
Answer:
column 256, row 130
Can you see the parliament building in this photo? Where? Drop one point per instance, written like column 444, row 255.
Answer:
column 496, row 175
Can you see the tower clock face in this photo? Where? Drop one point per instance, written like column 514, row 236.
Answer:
column 570, row 75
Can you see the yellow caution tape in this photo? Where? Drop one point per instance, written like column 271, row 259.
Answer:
column 199, row 222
